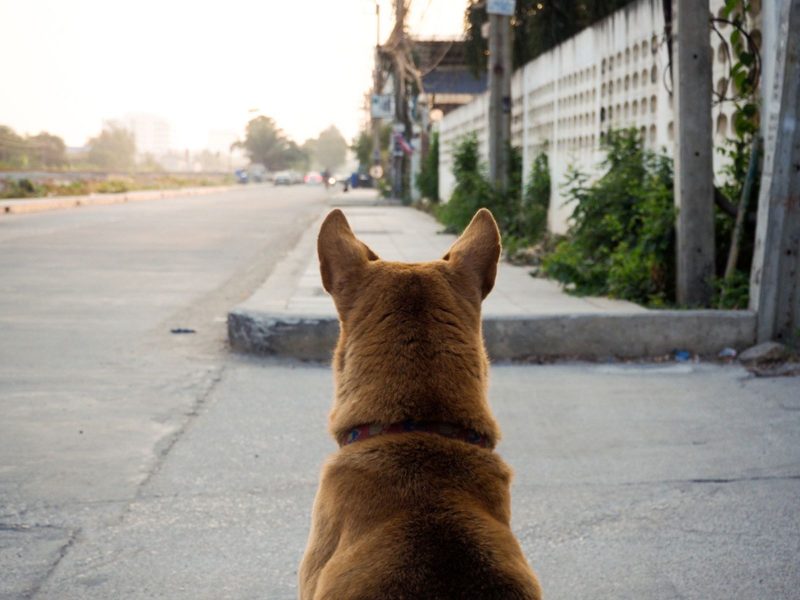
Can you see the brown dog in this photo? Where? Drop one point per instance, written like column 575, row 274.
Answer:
column 415, row 505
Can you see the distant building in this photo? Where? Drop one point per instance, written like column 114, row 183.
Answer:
column 447, row 81
column 151, row 132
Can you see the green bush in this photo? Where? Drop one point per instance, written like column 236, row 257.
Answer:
column 472, row 190
column 530, row 224
column 732, row 293
column 521, row 214
column 114, row 186
column 428, row 180
column 20, row 188
column 621, row 237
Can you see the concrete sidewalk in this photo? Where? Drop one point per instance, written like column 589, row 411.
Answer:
column 524, row 317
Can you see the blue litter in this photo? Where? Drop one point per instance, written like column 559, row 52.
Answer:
column 683, row 356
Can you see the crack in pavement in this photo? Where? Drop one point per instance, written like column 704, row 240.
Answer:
column 62, row 553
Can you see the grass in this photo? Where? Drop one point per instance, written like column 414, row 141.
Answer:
column 26, row 188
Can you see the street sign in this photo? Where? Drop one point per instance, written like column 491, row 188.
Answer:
column 376, row 171
column 501, row 7
column 382, row 106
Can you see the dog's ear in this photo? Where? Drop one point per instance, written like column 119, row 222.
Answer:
column 475, row 254
column 342, row 256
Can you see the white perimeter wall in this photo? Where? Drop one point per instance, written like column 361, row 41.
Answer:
column 611, row 75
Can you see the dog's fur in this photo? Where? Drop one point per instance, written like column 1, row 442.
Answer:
column 413, row 515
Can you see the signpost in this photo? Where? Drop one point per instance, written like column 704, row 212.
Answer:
column 501, row 7
column 382, row 106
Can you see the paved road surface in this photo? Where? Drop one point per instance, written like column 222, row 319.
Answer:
column 139, row 464
column 95, row 388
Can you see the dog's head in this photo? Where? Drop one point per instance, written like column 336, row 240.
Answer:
column 410, row 344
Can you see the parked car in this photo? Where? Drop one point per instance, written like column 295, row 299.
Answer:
column 241, row 176
column 313, row 178
column 283, row 178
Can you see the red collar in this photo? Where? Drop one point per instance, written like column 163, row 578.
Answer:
column 362, row 432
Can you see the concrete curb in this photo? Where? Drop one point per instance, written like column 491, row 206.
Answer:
column 34, row 205
column 525, row 337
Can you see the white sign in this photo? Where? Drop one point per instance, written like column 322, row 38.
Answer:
column 501, row 7
column 382, row 106
column 376, row 171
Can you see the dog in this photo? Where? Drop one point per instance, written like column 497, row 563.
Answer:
column 415, row 504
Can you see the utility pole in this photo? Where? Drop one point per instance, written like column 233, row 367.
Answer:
column 401, row 165
column 694, row 184
column 500, row 13
column 775, row 277
column 377, row 89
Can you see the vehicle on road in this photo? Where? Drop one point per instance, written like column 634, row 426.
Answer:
column 283, row 178
column 313, row 178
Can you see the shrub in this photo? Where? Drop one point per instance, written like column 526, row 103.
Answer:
column 20, row 188
column 114, row 186
column 531, row 220
column 472, row 190
column 621, row 237
column 428, row 180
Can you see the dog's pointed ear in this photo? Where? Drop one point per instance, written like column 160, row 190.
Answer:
column 475, row 254
column 342, row 256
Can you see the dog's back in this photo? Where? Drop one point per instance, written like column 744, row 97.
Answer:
column 415, row 504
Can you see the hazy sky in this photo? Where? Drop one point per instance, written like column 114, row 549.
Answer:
column 202, row 65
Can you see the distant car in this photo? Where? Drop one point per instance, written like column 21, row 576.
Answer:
column 283, row 178
column 364, row 180
column 313, row 178
column 241, row 176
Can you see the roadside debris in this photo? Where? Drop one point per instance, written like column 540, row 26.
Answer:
column 770, row 359
column 682, row 356
column 182, row 330
column 768, row 352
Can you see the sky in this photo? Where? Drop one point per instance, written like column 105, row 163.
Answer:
column 203, row 65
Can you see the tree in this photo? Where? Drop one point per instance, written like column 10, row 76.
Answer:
column 268, row 145
column 309, row 148
column 47, row 150
column 538, row 26
column 114, row 148
column 330, row 149
column 13, row 149
column 362, row 147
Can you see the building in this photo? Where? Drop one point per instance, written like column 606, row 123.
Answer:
column 446, row 79
column 151, row 132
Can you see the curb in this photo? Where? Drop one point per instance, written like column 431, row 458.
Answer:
column 35, row 205
column 509, row 338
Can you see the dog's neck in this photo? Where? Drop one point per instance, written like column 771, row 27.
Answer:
column 383, row 390
column 448, row 430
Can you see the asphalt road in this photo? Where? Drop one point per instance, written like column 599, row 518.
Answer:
column 94, row 386
column 135, row 463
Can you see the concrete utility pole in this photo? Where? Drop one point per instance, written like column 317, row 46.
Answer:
column 399, row 160
column 775, row 278
column 499, row 90
column 694, row 174
column 377, row 84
